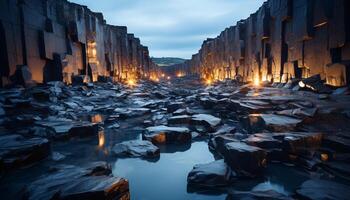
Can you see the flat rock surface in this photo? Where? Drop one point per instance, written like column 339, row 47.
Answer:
column 322, row 190
column 245, row 159
column 136, row 148
column 166, row 134
column 17, row 151
column 214, row 174
column 72, row 182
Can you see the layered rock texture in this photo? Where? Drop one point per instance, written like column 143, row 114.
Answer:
column 284, row 39
column 53, row 40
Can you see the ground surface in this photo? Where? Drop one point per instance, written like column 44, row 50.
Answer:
column 272, row 140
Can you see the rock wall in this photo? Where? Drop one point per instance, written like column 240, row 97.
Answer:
column 284, row 39
column 49, row 40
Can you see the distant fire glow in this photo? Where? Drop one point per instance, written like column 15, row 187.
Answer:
column 209, row 81
column 131, row 82
column 256, row 82
column 180, row 74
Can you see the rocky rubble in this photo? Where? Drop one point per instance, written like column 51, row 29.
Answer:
column 72, row 182
column 247, row 129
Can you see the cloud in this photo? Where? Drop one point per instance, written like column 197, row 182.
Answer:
column 173, row 27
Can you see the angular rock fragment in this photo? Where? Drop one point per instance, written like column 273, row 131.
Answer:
column 316, row 84
column 64, row 128
column 180, row 119
column 172, row 107
column 245, row 159
column 136, row 148
column 322, row 190
column 225, row 129
column 131, row 112
column 17, row 151
column 263, row 140
column 72, row 182
column 208, row 121
column 300, row 142
column 214, row 174
column 166, row 135
column 272, row 122
column 299, row 112
column 218, row 142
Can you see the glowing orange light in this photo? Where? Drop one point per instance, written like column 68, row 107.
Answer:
column 163, row 75
column 324, row 157
column 101, row 139
column 208, row 81
column 256, row 82
column 131, row 82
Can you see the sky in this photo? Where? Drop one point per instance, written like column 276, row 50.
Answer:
column 173, row 28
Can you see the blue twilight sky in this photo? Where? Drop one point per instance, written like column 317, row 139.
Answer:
column 173, row 28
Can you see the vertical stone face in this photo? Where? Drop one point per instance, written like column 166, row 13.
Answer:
column 63, row 39
column 284, row 39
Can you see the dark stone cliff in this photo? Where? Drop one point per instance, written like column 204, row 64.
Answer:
column 49, row 40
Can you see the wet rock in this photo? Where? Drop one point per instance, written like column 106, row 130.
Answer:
column 225, row 129
column 18, row 102
column 263, row 140
column 208, row 102
column 250, row 105
column 131, row 112
column 136, row 148
column 206, row 120
column 272, row 122
column 40, row 94
column 64, row 128
column 72, row 182
column 299, row 112
column 214, row 174
column 166, row 135
column 337, row 142
column 245, row 159
column 180, row 119
column 114, row 126
column 71, row 105
column 258, row 195
column 316, row 84
column 322, row 190
column 300, row 142
column 323, row 97
column 180, row 111
column 341, row 91
column 17, row 151
column 56, row 156
column 172, row 107
column 218, row 142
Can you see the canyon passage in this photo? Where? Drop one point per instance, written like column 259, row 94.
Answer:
column 262, row 111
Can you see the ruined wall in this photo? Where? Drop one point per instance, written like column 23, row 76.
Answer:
column 56, row 39
column 284, row 39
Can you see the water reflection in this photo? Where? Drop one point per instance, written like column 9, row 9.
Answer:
column 167, row 178
column 101, row 139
